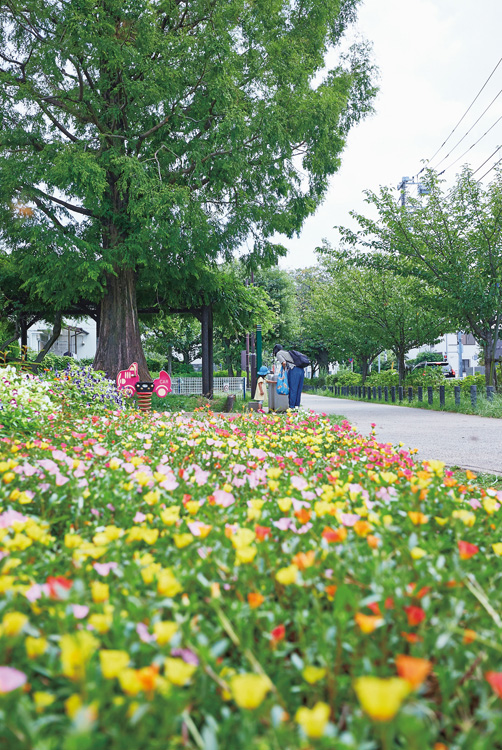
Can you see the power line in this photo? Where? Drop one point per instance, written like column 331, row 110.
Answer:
column 466, row 134
column 470, row 147
column 483, row 164
column 492, row 167
column 465, row 113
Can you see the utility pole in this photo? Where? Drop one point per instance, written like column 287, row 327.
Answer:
column 422, row 189
column 460, row 355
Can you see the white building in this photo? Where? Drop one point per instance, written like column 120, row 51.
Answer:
column 77, row 337
column 448, row 345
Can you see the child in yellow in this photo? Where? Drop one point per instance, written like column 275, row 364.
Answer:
column 261, row 393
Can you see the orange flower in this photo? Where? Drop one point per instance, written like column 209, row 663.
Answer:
column 148, row 676
column 417, row 518
column 495, row 680
column 362, row 528
column 467, row 550
column 373, row 541
column 304, row 560
column 415, row 615
column 367, row 623
column 331, row 591
column 470, row 475
column 255, row 599
column 375, row 608
column 412, row 637
column 412, row 669
column 303, row 515
column 469, row 636
column 334, row 535
column 262, row 532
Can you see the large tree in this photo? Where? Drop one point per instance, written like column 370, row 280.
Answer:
column 140, row 140
column 451, row 240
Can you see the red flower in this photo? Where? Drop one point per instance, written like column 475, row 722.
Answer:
column 467, row 550
column 415, row 615
column 57, row 586
column 262, row 532
column 495, row 680
column 278, row 633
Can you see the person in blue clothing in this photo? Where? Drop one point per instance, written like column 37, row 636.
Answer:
column 296, row 375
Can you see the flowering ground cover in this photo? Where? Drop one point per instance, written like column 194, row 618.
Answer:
column 243, row 581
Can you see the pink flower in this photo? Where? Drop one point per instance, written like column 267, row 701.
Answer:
column 138, row 518
column 104, row 568
column 80, row 611
column 349, row 519
column 223, row 499
column 143, row 633
column 11, row 679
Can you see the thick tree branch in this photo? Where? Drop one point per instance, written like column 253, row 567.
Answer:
column 65, row 204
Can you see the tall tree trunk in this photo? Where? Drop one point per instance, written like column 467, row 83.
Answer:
column 56, row 330
column 402, row 368
column 365, row 366
column 207, row 350
column 119, row 342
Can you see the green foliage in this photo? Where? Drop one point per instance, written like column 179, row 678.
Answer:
column 385, row 377
column 157, row 138
column 425, row 357
column 344, row 376
column 451, row 242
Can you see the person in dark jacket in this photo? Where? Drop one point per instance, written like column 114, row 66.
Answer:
column 295, row 374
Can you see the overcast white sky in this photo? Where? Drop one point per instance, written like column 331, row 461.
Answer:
column 434, row 56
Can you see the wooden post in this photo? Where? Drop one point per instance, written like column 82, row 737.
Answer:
column 457, row 395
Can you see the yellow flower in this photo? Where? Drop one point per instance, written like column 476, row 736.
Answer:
column 441, row 521
column 142, row 477
column 167, row 584
column 287, row 575
column 101, row 623
column 100, row 592
column 313, row 720
column 417, row 553
column 35, row 646
column 490, row 505
column 467, row 518
column 389, row 477
column 380, row 698
column 285, row 504
column 113, row 662
column 243, row 538
column 436, row 466
column 182, row 540
column 152, row 497
column 245, row 554
column 76, row 651
column 178, row 671
column 130, row 681
column 42, row 700
column 13, row 623
column 72, row 705
column 249, row 690
column 417, row 518
column 170, row 515
column 497, row 548
column 313, row 674
column 164, row 631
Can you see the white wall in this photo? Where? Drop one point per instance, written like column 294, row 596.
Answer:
column 83, row 345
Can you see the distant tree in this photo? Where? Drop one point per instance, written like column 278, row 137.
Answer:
column 389, row 311
column 140, row 140
column 451, row 241
column 314, row 339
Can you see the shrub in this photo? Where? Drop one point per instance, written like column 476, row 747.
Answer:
column 386, row 377
column 344, row 376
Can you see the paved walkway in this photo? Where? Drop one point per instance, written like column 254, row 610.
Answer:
column 463, row 440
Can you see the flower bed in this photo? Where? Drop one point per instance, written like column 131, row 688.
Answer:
column 254, row 581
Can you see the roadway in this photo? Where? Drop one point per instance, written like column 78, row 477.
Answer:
column 463, row 440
